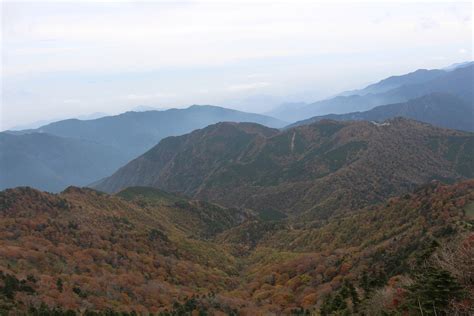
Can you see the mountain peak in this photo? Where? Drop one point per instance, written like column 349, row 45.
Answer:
column 80, row 191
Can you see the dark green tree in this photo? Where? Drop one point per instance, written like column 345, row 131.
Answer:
column 11, row 284
column 432, row 292
column 59, row 284
column 338, row 305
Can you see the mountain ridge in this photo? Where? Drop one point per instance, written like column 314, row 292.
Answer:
column 314, row 168
column 389, row 83
column 121, row 138
column 51, row 162
column 439, row 109
column 458, row 82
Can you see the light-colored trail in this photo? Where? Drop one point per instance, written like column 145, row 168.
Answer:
column 292, row 146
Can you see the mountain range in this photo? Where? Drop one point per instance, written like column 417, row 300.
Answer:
column 82, row 151
column 458, row 82
column 211, row 211
column 135, row 132
column 311, row 171
column 442, row 97
column 438, row 109
column 51, row 163
column 393, row 82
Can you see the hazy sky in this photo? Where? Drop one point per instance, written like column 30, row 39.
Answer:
column 64, row 59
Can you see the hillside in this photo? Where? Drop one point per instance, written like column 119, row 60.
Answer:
column 314, row 169
column 79, row 152
column 458, row 82
column 138, row 251
column 368, row 259
column 110, row 253
column 195, row 218
column 438, row 109
column 51, row 163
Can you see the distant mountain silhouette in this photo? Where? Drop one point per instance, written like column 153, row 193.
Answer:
column 458, row 82
column 51, row 163
column 444, row 110
column 418, row 76
column 77, row 152
column 459, row 65
column 135, row 132
column 38, row 124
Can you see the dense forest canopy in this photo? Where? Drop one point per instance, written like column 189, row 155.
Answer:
column 148, row 251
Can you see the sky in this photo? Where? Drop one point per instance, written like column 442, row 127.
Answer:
column 65, row 59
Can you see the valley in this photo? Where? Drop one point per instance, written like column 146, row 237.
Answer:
column 145, row 250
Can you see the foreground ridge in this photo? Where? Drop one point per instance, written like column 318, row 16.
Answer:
column 136, row 251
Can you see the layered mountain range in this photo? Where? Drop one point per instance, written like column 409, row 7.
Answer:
column 135, row 132
column 57, row 155
column 457, row 82
column 312, row 169
column 366, row 211
column 439, row 109
column 54, row 156
column 51, row 163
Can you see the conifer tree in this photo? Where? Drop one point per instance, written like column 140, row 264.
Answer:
column 432, row 292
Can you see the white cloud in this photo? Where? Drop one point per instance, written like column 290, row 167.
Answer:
column 462, row 51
